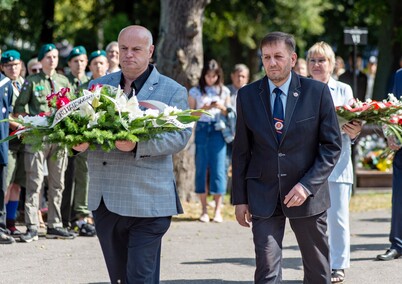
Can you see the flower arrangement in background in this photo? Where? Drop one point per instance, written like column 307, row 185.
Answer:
column 370, row 111
column 101, row 115
column 373, row 154
column 387, row 113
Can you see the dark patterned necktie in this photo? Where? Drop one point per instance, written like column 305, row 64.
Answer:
column 17, row 85
column 133, row 91
column 278, row 114
column 52, row 87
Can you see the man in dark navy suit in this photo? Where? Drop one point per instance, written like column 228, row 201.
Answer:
column 395, row 236
column 281, row 165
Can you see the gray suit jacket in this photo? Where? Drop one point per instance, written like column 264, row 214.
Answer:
column 141, row 184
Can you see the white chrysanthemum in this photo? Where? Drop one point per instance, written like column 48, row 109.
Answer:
column 94, row 119
column 134, row 114
column 170, row 110
column 96, row 92
column 152, row 112
column 86, row 110
column 35, row 120
column 393, row 99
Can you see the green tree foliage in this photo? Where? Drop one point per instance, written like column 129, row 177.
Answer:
column 233, row 29
column 20, row 24
column 6, row 4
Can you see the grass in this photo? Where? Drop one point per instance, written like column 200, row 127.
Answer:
column 360, row 202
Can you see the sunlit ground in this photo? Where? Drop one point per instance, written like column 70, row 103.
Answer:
column 360, row 202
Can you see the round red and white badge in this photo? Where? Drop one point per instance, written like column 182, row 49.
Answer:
column 278, row 125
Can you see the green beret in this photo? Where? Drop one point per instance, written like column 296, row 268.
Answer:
column 45, row 49
column 10, row 55
column 76, row 51
column 95, row 54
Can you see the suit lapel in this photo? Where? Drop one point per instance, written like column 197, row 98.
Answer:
column 264, row 96
column 292, row 98
column 149, row 86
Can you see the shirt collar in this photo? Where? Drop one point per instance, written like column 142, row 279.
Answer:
column 140, row 81
column 332, row 84
column 284, row 88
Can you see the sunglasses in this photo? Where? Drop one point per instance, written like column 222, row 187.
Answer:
column 36, row 70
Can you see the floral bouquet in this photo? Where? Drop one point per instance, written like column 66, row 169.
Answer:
column 102, row 115
column 386, row 113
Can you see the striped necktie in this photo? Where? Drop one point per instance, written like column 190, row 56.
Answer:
column 278, row 114
column 17, row 85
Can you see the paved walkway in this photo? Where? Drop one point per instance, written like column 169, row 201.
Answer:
column 197, row 253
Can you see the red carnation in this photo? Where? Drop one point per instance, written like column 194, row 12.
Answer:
column 62, row 101
column 95, row 86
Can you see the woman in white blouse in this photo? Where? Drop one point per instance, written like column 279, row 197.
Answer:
column 320, row 64
column 212, row 96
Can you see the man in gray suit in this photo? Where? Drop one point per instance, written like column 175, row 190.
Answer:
column 132, row 189
column 287, row 143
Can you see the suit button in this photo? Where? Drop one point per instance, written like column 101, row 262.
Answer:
column 104, row 163
column 280, row 155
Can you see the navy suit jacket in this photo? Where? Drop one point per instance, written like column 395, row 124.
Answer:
column 397, row 90
column 6, row 98
column 264, row 169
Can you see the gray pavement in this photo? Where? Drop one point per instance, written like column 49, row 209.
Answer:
column 198, row 253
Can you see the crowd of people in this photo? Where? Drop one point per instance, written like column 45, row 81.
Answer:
column 252, row 124
column 53, row 188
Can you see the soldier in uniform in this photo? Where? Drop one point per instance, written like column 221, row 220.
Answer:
column 98, row 64
column 11, row 67
column 77, row 61
column 75, row 194
column 6, row 96
column 33, row 94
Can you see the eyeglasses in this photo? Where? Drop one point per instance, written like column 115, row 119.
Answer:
column 12, row 65
column 36, row 70
column 319, row 61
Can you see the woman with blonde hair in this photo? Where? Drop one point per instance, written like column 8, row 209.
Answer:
column 321, row 63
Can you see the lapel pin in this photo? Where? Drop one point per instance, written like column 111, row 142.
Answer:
column 295, row 94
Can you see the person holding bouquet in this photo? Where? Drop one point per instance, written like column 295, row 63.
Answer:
column 321, row 63
column 395, row 236
column 132, row 189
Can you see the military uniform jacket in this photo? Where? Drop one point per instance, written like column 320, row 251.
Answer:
column 6, row 98
column 35, row 89
column 77, row 84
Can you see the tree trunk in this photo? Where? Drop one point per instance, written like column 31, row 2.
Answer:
column 46, row 35
column 179, row 55
column 389, row 46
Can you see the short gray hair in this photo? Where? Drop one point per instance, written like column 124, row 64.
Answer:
column 111, row 44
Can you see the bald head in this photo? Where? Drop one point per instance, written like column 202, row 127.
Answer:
column 139, row 31
column 136, row 49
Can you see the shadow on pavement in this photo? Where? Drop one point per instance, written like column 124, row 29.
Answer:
column 377, row 220
column 241, row 261
column 218, row 281
column 368, row 247
column 288, row 263
column 371, row 235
